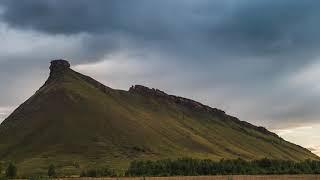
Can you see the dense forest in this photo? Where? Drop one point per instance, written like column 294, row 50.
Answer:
column 194, row 167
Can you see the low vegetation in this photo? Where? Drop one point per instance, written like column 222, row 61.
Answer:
column 188, row 167
column 52, row 171
column 102, row 172
column 11, row 171
column 196, row 167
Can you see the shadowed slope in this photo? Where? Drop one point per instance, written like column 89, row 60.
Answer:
column 74, row 120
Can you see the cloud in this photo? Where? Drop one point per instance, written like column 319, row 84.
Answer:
column 250, row 58
column 307, row 136
column 262, row 26
column 4, row 112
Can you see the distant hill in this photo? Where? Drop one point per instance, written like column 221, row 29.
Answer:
column 76, row 122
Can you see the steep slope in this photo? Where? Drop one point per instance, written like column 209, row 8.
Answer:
column 74, row 121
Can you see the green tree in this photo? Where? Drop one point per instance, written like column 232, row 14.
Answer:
column 52, row 171
column 11, row 171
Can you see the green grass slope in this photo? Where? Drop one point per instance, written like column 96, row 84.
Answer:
column 75, row 122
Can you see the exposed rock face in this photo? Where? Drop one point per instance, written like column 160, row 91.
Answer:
column 58, row 66
column 179, row 100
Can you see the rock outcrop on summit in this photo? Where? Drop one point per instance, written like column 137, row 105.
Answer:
column 74, row 119
column 58, row 66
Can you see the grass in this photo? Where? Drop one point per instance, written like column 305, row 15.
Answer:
column 77, row 120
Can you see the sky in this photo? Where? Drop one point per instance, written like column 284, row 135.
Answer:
column 258, row 60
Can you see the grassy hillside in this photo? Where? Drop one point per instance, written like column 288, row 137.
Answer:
column 75, row 122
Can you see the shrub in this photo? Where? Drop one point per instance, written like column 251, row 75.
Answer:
column 11, row 171
column 52, row 171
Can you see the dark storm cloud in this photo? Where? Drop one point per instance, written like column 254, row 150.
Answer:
column 203, row 30
column 241, row 46
column 247, row 26
column 76, row 16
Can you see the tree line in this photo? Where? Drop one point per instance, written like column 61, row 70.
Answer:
column 195, row 167
column 12, row 172
column 192, row 167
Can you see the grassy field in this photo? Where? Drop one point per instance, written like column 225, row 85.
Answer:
column 240, row 177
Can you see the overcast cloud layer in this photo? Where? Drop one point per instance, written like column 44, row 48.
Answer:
column 256, row 59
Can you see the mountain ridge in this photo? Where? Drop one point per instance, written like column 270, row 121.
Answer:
column 73, row 118
column 140, row 89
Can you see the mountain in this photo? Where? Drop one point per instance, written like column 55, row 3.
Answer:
column 75, row 122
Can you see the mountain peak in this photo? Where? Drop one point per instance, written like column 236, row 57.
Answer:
column 58, row 67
